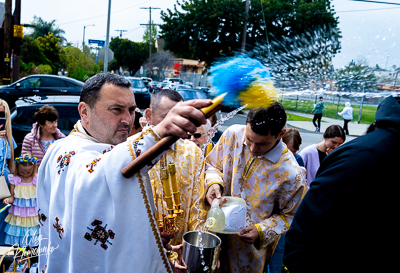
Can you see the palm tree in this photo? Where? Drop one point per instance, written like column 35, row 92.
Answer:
column 42, row 28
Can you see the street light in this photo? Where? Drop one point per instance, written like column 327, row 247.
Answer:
column 83, row 42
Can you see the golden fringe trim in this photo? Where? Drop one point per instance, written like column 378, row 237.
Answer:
column 286, row 222
column 247, row 174
column 260, row 235
column 149, row 214
column 80, row 134
column 209, row 148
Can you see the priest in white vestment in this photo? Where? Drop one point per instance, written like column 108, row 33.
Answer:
column 92, row 219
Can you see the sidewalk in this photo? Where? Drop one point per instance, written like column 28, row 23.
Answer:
column 354, row 128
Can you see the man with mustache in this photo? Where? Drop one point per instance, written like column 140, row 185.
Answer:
column 96, row 219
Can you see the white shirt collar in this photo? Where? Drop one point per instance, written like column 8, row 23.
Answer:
column 274, row 154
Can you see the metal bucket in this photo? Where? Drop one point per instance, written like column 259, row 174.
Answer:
column 191, row 251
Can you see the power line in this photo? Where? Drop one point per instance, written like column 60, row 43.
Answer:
column 80, row 20
column 377, row 2
column 120, row 32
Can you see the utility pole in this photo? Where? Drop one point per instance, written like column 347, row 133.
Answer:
column 83, row 41
column 7, row 42
column 105, row 68
column 120, row 32
column 245, row 27
column 149, row 71
column 17, row 41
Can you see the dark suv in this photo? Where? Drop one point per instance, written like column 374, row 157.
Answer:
column 41, row 85
column 23, row 115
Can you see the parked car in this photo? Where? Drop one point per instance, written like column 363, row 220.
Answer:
column 206, row 90
column 42, row 85
column 181, row 86
column 178, row 80
column 152, row 86
column 146, row 80
column 142, row 95
column 191, row 94
column 160, row 86
column 23, row 114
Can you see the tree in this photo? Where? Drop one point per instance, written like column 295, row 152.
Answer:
column 128, row 54
column 42, row 28
column 78, row 65
column 207, row 30
column 52, row 50
column 356, row 76
column 31, row 52
column 154, row 33
column 160, row 61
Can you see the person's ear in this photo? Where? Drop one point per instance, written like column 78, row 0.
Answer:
column 282, row 132
column 84, row 111
column 147, row 114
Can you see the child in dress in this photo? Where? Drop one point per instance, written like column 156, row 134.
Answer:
column 22, row 220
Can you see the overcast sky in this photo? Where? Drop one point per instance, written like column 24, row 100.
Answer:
column 369, row 30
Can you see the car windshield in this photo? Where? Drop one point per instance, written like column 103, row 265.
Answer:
column 191, row 95
column 136, row 83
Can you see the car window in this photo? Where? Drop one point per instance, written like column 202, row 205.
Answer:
column 25, row 115
column 137, row 83
column 51, row 82
column 191, row 95
column 70, row 84
column 200, row 95
column 186, row 95
column 69, row 115
column 33, row 82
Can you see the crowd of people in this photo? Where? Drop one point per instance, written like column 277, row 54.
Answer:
column 71, row 191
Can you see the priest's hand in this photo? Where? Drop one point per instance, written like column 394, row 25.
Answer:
column 165, row 238
column 177, row 121
column 214, row 191
column 248, row 234
column 179, row 266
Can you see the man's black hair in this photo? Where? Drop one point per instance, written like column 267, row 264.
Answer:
column 169, row 93
column 265, row 121
column 90, row 91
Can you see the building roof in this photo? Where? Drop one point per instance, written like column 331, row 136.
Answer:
column 188, row 62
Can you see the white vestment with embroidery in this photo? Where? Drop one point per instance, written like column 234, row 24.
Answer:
column 92, row 219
